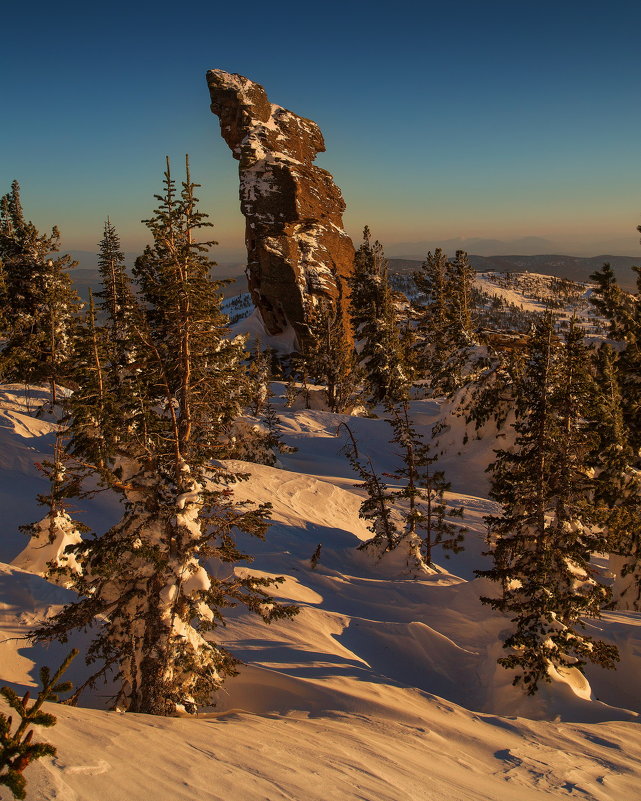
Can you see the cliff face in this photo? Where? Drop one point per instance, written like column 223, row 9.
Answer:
column 296, row 246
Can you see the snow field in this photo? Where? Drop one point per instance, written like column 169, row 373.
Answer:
column 381, row 688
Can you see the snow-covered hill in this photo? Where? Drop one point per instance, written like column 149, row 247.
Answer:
column 382, row 688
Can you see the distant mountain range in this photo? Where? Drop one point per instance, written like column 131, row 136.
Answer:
column 575, row 268
column 527, row 245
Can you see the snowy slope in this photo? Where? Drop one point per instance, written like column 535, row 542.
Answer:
column 381, row 688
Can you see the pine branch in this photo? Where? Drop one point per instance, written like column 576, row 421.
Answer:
column 17, row 749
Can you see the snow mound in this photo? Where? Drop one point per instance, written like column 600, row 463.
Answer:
column 382, row 688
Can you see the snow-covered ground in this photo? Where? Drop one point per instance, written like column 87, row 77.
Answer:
column 383, row 688
column 534, row 293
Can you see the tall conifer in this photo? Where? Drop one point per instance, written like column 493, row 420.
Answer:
column 186, row 388
column 546, row 533
column 375, row 323
column 40, row 300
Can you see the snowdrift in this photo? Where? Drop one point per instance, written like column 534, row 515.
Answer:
column 382, row 688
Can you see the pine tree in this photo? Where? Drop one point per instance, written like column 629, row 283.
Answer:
column 187, row 386
column 17, row 748
column 431, row 282
column 612, row 302
column 460, row 279
column 618, row 461
column 375, row 323
column 419, row 501
column 328, row 357
column 259, row 375
column 377, row 506
column 40, row 300
column 116, row 299
column 444, row 330
column 618, row 486
column 4, row 300
column 624, row 314
column 490, row 398
column 423, row 491
column 545, row 534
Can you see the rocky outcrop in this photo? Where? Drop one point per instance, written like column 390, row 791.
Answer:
column 297, row 249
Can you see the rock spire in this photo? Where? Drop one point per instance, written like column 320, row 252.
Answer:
column 297, row 249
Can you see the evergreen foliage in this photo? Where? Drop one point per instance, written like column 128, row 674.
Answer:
column 17, row 748
column 547, row 530
column 328, row 357
column 116, row 298
column 419, row 500
column 259, row 375
column 618, row 457
column 46, row 553
column 148, row 576
column 423, row 490
column 375, row 323
column 490, row 398
column 445, row 323
column 624, row 313
column 377, row 506
column 40, row 301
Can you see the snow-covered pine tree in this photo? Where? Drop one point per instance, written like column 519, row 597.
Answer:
column 255, row 436
column 444, row 330
column 419, row 500
column 619, row 462
column 431, row 283
column 328, row 356
column 490, row 398
column 623, row 311
column 546, row 532
column 256, row 439
column 375, row 324
column 41, row 301
column 459, row 281
column 259, row 377
column 377, row 506
column 612, row 302
column 618, row 486
column 46, row 553
column 422, row 492
column 148, row 577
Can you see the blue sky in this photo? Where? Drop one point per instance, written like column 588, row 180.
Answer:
column 474, row 119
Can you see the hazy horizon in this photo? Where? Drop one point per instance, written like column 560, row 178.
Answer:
column 502, row 121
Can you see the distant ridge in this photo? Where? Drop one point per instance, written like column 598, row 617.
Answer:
column 525, row 245
column 574, row 268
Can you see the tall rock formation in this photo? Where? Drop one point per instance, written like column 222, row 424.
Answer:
column 296, row 246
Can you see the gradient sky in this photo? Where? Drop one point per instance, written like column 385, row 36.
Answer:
column 468, row 119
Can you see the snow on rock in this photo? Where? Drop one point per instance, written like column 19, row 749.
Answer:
column 296, row 246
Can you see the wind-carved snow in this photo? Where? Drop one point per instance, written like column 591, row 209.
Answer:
column 383, row 688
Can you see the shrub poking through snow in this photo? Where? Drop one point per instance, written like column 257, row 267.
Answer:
column 17, row 748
